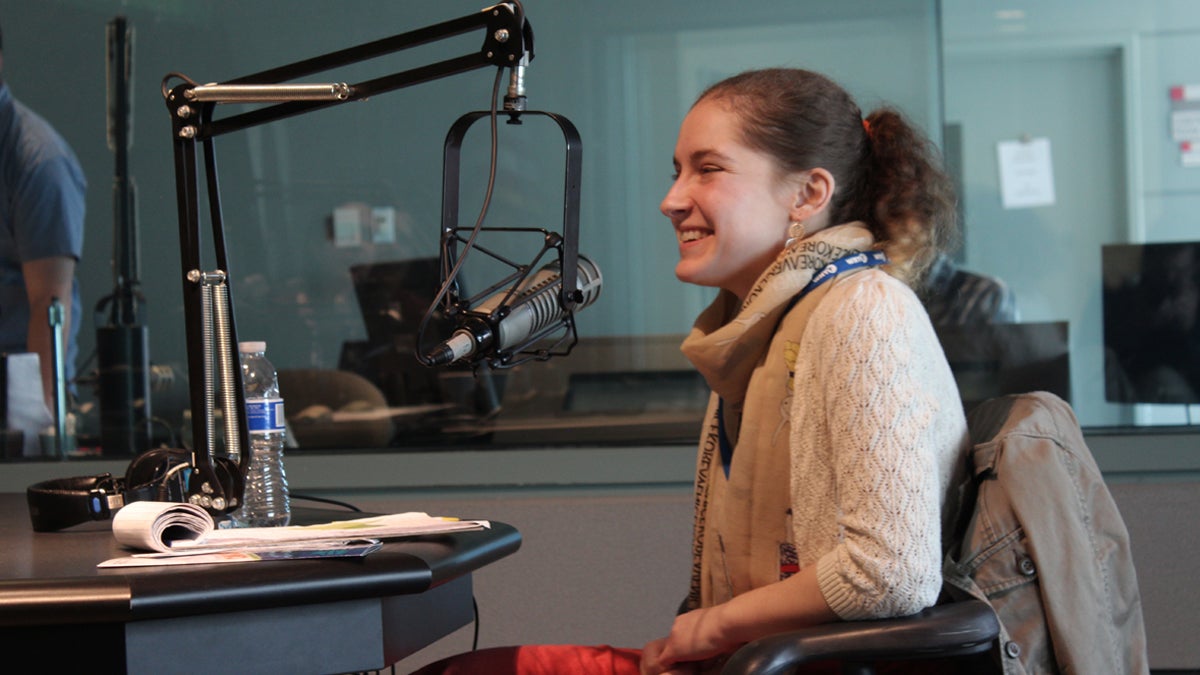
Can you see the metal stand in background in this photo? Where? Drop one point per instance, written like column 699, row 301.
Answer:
column 123, row 343
column 58, row 356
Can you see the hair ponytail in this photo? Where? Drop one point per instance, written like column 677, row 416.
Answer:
column 907, row 199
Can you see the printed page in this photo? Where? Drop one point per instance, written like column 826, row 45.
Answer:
column 157, row 526
column 378, row 527
column 353, row 548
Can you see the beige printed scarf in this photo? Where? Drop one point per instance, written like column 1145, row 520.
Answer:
column 745, row 360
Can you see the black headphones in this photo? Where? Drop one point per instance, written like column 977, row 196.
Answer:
column 161, row 474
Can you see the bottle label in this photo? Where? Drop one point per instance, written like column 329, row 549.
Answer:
column 264, row 415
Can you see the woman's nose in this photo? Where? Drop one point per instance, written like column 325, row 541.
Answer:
column 675, row 202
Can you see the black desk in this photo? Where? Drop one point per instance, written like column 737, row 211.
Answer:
column 302, row 616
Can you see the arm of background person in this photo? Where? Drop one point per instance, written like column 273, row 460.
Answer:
column 46, row 279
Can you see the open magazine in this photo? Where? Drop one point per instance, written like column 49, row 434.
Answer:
column 182, row 533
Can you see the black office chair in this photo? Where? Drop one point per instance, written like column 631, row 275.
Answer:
column 950, row 631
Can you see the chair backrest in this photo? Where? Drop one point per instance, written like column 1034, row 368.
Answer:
column 334, row 409
column 1042, row 541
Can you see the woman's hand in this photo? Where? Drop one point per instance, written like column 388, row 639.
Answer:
column 695, row 636
column 701, row 634
column 652, row 663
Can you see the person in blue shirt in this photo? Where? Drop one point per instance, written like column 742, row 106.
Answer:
column 42, row 189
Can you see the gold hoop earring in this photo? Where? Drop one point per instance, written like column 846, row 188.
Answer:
column 795, row 233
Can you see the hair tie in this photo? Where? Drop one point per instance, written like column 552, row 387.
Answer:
column 866, row 126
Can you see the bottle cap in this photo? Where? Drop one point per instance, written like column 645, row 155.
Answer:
column 250, row 347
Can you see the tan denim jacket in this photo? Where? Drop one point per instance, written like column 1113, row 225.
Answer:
column 1045, row 544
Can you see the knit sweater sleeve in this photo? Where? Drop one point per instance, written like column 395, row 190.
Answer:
column 884, row 396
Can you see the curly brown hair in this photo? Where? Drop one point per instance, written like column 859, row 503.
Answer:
column 887, row 173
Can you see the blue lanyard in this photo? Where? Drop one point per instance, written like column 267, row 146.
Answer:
column 843, row 264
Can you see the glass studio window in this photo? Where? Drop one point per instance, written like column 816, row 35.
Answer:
column 333, row 217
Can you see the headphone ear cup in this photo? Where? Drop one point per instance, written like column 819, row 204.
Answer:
column 150, row 475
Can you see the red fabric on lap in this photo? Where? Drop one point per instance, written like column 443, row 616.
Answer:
column 539, row 660
column 604, row 660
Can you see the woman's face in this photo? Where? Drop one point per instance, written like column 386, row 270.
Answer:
column 729, row 205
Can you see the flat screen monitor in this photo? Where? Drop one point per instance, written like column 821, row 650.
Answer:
column 1151, row 303
column 393, row 296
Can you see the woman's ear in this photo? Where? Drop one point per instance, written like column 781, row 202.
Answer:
column 814, row 191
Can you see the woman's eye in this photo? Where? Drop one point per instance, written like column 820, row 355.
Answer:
column 701, row 170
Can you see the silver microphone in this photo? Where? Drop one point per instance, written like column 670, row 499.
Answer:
column 535, row 307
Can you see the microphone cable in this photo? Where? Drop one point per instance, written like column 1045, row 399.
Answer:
column 493, row 115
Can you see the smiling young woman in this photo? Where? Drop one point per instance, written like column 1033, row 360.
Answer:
column 834, row 431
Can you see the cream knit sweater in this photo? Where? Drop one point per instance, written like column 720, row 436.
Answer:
column 848, row 433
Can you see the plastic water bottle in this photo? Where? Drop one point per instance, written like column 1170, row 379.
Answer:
column 265, row 502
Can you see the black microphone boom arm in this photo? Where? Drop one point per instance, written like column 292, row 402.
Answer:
column 507, row 43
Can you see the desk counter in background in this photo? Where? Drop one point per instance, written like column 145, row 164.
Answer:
column 325, row 616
